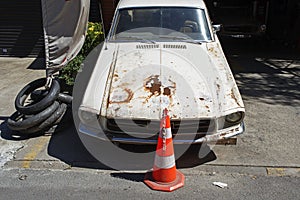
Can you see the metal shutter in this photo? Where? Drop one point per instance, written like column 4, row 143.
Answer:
column 95, row 11
column 21, row 33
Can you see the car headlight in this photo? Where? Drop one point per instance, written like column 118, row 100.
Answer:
column 88, row 117
column 230, row 120
column 234, row 117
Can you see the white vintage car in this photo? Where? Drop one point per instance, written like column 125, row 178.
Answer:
column 161, row 54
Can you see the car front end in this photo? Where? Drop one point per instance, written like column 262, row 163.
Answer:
column 147, row 67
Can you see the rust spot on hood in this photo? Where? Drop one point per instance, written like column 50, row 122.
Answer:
column 234, row 97
column 167, row 91
column 116, row 77
column 213, row 51
column 153, row 85
column 124, row 96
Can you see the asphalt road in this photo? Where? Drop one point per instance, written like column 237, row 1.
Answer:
column 95, row 184
column 264, row 164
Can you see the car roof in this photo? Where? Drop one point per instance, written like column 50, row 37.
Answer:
column 161, row 3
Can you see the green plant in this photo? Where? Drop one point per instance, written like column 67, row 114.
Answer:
column 93, row 37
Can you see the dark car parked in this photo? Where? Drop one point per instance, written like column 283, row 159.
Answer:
column 240, row 19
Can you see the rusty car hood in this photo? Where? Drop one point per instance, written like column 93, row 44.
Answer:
column 191, row 80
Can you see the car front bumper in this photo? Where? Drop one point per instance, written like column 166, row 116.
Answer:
column 219, row 136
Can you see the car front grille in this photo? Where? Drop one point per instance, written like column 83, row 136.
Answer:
column 147, row 128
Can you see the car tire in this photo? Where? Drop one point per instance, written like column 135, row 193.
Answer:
column 40, row 105
column 52, row 120
column 18, row 121
column 65, row 98
column 37, row 95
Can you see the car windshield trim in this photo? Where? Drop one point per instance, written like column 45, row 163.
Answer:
column 151, row 23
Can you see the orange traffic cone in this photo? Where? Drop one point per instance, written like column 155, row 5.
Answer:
column 165, row 176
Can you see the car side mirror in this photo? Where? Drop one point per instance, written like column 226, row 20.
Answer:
column 216, row 27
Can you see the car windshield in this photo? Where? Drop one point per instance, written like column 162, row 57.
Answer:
column 161, row 24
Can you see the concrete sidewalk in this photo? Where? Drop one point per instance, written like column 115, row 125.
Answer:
column 15, row 73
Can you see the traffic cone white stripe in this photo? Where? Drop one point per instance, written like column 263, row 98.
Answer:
column 168, row 133
column 164, row 162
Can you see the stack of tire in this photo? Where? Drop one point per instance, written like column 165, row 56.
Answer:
column 46, row 109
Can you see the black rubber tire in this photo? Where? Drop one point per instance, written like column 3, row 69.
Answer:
column 15, row 122
column 40, row 105
column 65, row 98
column 37, row 95
column 54, row 118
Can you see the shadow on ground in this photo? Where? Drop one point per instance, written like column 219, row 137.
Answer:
column 136, row 177
column 66, row 145
column 4, row 130
column 38, row 64
column 8, row 134
column 191, row 158
column 268, row 72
